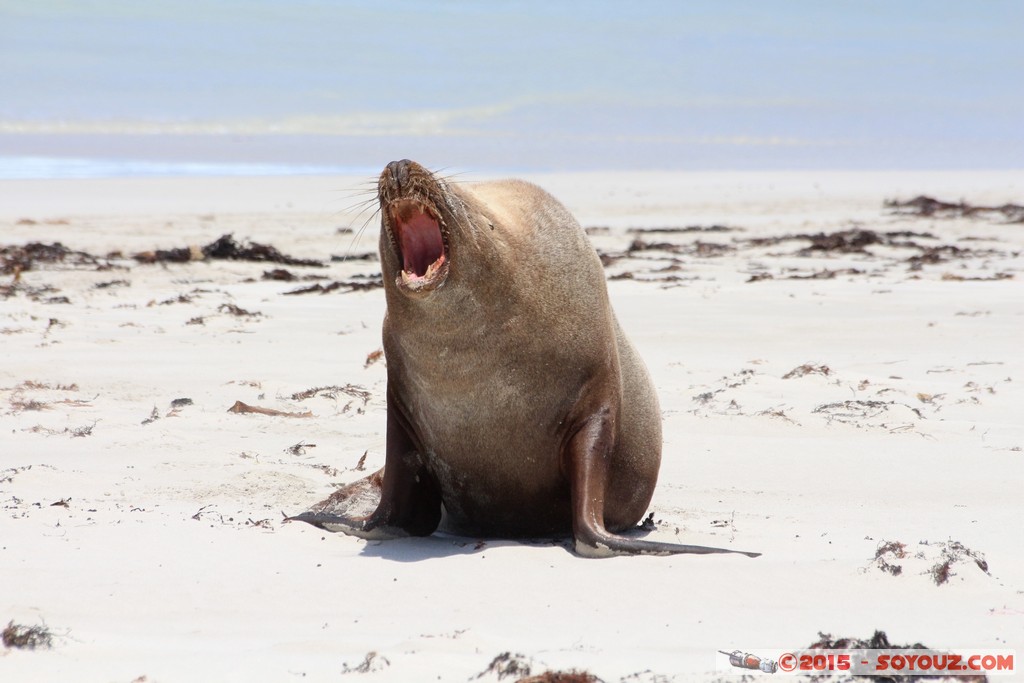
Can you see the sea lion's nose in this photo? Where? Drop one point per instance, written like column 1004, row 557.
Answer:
column 397, row 173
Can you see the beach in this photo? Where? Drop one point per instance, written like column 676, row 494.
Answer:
column 840, row 382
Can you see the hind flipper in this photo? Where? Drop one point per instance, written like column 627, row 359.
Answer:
column 611, row 545
column 587, row 459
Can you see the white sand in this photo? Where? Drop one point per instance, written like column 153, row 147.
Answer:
column 170, row 560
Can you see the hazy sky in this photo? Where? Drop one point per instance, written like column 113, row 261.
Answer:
column 844, row 83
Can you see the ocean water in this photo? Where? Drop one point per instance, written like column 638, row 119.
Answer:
column 120, row 87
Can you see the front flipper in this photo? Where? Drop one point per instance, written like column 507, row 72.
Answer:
column 349, row 509
column 350, row 526
column 587, row 458
column 402, row 499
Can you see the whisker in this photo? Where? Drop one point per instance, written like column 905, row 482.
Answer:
column 361, row 205
column 368, row 199
column 359, row 233
column 365, row 187
column 454, row 177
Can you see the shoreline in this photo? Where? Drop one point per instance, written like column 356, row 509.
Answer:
column 662, row 193
column 110, row 153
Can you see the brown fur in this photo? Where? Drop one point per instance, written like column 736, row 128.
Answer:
column 516, row 405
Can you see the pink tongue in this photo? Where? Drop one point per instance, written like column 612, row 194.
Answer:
column 421, row 243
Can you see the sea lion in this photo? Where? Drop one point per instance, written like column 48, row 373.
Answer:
column 516, row 406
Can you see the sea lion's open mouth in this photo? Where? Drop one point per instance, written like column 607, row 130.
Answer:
column 417, row 234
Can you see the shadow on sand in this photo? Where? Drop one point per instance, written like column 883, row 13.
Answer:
column 441, row 545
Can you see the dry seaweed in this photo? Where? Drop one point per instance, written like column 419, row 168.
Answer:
column 963, row 278
column 683, row 230
column 332, row 393
column 951, row 554
column 16, row 259
column 826, row 274
column 854, row 410
column 77, row 432
column 112, row 283
column 299, row 448
column 26, row 637
column 808, row 369
column 244, row 408
column 358, row 283
column 284, row 275
column 372, row 662
column 232, row 309
column 849, row 241
column 506, row 665
column 33, row 293
column 954, row 552
column 280, row 274
column 698, row 248
column 365, row 256
column 571, row 676
column 225, row 248
column 891, row 550
column 933, row 255
column 879, row 641
column 928, row 207
column 845, row 241
column 855, row 240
